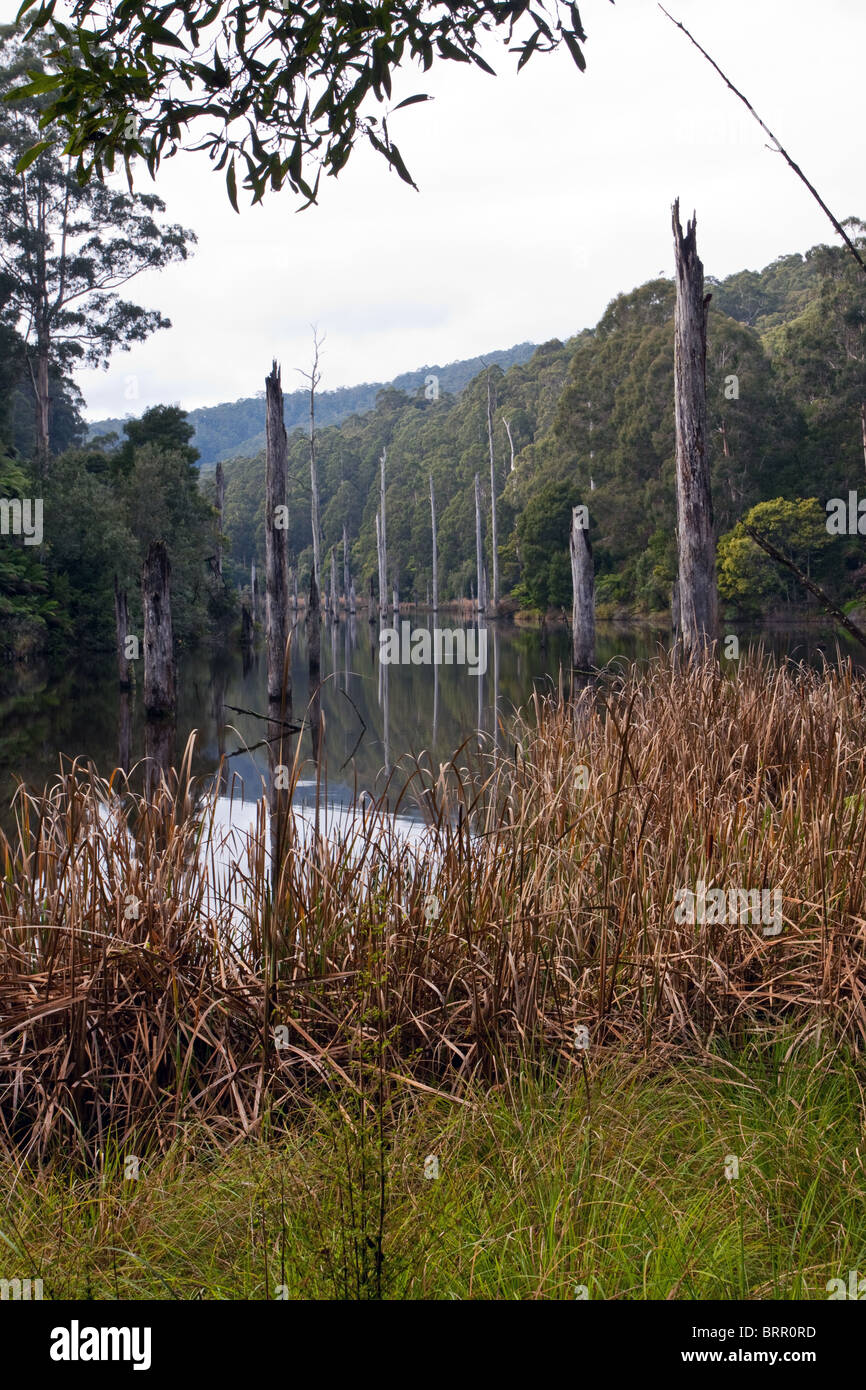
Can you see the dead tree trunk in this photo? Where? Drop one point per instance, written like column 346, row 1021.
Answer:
column 295, row 589
column 510, row 442
column 314, row 378
column 695, row 532
column 583, row 590
column 435, row 551
column 346, row 576
column 121, row 618
column 479, row 554
column 314, row 640
column 493, row 546
column 863, row 427
column 383, row 582
column 160, row 686
column 382, row 537
column 254, row 592
column 276, row 543
column 352, row 602
column 333, row 585
column 220, row 507
column 395, row 599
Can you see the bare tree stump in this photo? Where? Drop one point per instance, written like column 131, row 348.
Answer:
column 583, row 594
column 493, row 534
column 160, row 685
column 121, row 619
column 220, row 506
column 435, row 551
column 695, row 532
column 276, row 544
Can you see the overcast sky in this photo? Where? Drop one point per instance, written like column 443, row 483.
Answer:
column 541, row 197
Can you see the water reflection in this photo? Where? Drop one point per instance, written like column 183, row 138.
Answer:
column 373, row 715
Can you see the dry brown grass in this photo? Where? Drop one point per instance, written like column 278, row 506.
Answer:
column 556, row 909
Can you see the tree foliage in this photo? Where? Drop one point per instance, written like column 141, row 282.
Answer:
column 275, row 91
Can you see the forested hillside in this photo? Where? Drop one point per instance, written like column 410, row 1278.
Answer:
column 586, row 421
column 591, row 420
column 236, row 428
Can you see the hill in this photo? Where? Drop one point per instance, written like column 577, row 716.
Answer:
column 235, row 429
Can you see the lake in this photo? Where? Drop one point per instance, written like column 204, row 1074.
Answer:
column 374, row 714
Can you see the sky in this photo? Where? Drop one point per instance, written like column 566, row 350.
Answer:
column 541, row 196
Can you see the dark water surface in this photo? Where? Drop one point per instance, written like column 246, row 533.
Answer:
column 373, row 715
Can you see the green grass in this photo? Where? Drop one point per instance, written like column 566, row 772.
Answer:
column 536, row 1195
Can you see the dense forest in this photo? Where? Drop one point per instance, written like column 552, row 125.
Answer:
column 589, row 420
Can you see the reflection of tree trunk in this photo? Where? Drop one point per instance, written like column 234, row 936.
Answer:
column 435, row 701
column 159, row 742
column 279, row 794
column 160, row 689
column 495, row 690
column 371, row 615
column 219, row 679
column 697, row 550
column 124, row 731
column 480, row 680
column 386, row 721
column 121, row 618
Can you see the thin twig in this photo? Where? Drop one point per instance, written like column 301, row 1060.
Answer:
column 782, row 151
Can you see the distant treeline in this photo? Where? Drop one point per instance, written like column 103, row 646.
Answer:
column 586, row 421
column 591, row 420
column 236, row 428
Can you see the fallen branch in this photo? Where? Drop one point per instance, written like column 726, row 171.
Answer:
column 841, row 618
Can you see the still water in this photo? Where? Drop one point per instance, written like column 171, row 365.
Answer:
column 374, row 716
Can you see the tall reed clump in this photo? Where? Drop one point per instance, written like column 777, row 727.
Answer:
column 143, row 986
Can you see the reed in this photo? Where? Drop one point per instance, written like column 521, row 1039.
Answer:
column 142, row 989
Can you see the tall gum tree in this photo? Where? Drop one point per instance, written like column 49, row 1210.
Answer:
column 66, row 250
